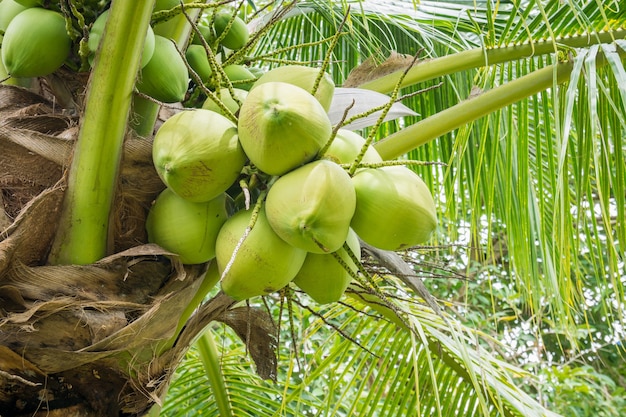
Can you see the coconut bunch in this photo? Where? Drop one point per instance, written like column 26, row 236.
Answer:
column 272, row 196
column 111, row 329
column 250, row 188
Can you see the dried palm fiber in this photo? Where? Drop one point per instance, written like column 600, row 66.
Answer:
column 74, row 337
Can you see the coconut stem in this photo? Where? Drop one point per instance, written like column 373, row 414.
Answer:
column 424, row 131
column 472, row 109
column 82, row 235
column 212, row 367
column 480, row 57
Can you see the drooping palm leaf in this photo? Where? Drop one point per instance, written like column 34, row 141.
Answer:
column 501, row 183
column 379, row 371
column 546, row 173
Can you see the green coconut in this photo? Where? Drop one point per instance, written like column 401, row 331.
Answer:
column 206, row 32
column 29, row 3
column 165, row 76
column 35, row 43
column 323, row 278
column 197, row 154
column 240, row 76
column 8, row 10
column 227, row 100
column 282, row 126
column 394, row 208
column 236, row 36
column 311, row 207
column 199, row 61
column 303, row 77
column 173, row 23
column 347, row 145
column 263, row 263
column 185, row 228
column 257, row 72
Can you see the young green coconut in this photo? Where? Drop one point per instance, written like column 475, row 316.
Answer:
column 282, row 126
column 197, row 154
column 323, row 278
column 237, row 74
column 394, row 208
column 199, row 61
column 311, row 207
column 303, row 77
column 35, row 43
column 347, row 145
column 237, row 34
column 227, row 100
column 262, row 263
column 165, row 76
column 185, row 228
column 97, row 30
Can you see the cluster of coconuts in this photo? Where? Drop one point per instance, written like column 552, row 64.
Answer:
column 304, row 221
column 303, row 213
column 36, row 43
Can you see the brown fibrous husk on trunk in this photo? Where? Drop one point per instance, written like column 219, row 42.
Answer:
column 83, row 339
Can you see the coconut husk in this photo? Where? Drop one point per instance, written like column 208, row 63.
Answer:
column 98, row 339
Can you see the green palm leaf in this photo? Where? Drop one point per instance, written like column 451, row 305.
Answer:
column 543, row 172
column 434, row 370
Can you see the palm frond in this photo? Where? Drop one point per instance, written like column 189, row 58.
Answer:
column 437, row 369
column 536, row 188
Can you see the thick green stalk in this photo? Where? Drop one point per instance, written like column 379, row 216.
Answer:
column 445, row 121
column 82, row 236
column 475, row 58
column 430, row 128
column 211, row 361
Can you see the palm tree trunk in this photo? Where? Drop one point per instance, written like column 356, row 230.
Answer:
column 74, row 337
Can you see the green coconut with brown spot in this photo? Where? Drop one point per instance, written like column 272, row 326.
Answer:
column 197, row 154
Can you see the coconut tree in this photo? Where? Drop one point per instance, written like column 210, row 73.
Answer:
column 522, row 100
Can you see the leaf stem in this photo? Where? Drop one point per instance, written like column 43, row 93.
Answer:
column 82, row 236
column 479, row 57
column 210, row 360
column 430, row 128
